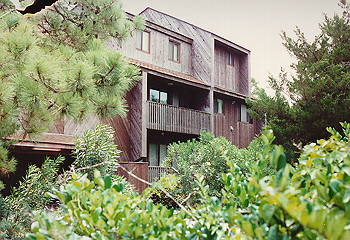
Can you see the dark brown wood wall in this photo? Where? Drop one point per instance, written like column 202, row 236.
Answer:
column 243, row 77
column 121, row 136
column 225, row 75
column 135, row 122
column 223, row 122
column 227, row 125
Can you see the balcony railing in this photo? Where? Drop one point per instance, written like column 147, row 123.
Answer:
column 155, row 172
column 165, row 117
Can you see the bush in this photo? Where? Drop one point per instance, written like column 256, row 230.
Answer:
column 207, row 157
column 96, row 148
column 308, row 201
column 101, row 209
column 16, row 210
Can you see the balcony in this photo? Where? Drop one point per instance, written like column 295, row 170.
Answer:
column 165, row 117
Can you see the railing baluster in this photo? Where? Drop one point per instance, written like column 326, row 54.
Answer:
column 177, row 119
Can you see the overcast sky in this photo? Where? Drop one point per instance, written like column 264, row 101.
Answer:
column 253, row 24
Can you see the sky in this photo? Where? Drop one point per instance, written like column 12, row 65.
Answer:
column 253, row 24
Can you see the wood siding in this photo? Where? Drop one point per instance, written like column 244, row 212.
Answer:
column 243, row 77
column 225, row 75
column 165, row 117
column 121, row 136
column 135, row 121
column 227, row 124
column 159, row 52
column 70, row 127
column 246, row 133
column 202, row 40
column 231, row 77
column 239, row 133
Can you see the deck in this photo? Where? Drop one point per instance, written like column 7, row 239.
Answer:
column 170, row 118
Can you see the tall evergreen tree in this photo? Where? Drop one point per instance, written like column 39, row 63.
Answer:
column 56, row 63
column 318, row 95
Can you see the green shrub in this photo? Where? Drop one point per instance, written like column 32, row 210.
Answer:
column 16, row 209
column 96, row 148
column 310, row 201
column 307, row 201
column 101, row 209
column 207, row 157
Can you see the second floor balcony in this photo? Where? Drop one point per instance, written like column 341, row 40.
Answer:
column 170, row 118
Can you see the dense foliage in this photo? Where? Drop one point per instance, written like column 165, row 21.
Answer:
column 16, row 210
column 206, row 157
column 45, row 77
column 96, row 148
column 308, row 201
column 318, row 95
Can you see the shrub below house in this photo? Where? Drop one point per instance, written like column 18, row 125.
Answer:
column 207, row 157
column 308, row 201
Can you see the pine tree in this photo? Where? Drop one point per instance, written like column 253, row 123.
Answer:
column 56, row 63
column 319, row 93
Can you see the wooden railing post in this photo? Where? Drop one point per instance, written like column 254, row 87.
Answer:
column 165, row 117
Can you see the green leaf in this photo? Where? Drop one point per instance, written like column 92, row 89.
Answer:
column 107, row 182
column 119, row 187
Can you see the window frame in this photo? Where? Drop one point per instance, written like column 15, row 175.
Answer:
column 171, row 50
column 140, row 48
column 159, row 93
column 219, row 106
column 231, row 59
column 248, row 118
column 159, row 154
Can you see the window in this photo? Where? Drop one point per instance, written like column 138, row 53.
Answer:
column 231, row 59
column 158, row 96
column 174, row 51
column 157, row 154
column 142, row 41
column 244, row 115
column 219, row 106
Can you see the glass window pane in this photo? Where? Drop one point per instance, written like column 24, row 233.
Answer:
column 154, row 95
column 230, row 59
column 145, row 41
column 176, row 100
column 162, row 153
column 176, row 52
column 153, row 155
column 244, row 113
column 220, row 105
column 139, row 40
column 163, row 97
column 171, row 51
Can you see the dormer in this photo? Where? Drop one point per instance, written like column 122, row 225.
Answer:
column 160, row 47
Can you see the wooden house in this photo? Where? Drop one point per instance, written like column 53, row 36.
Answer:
column 192, row 80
